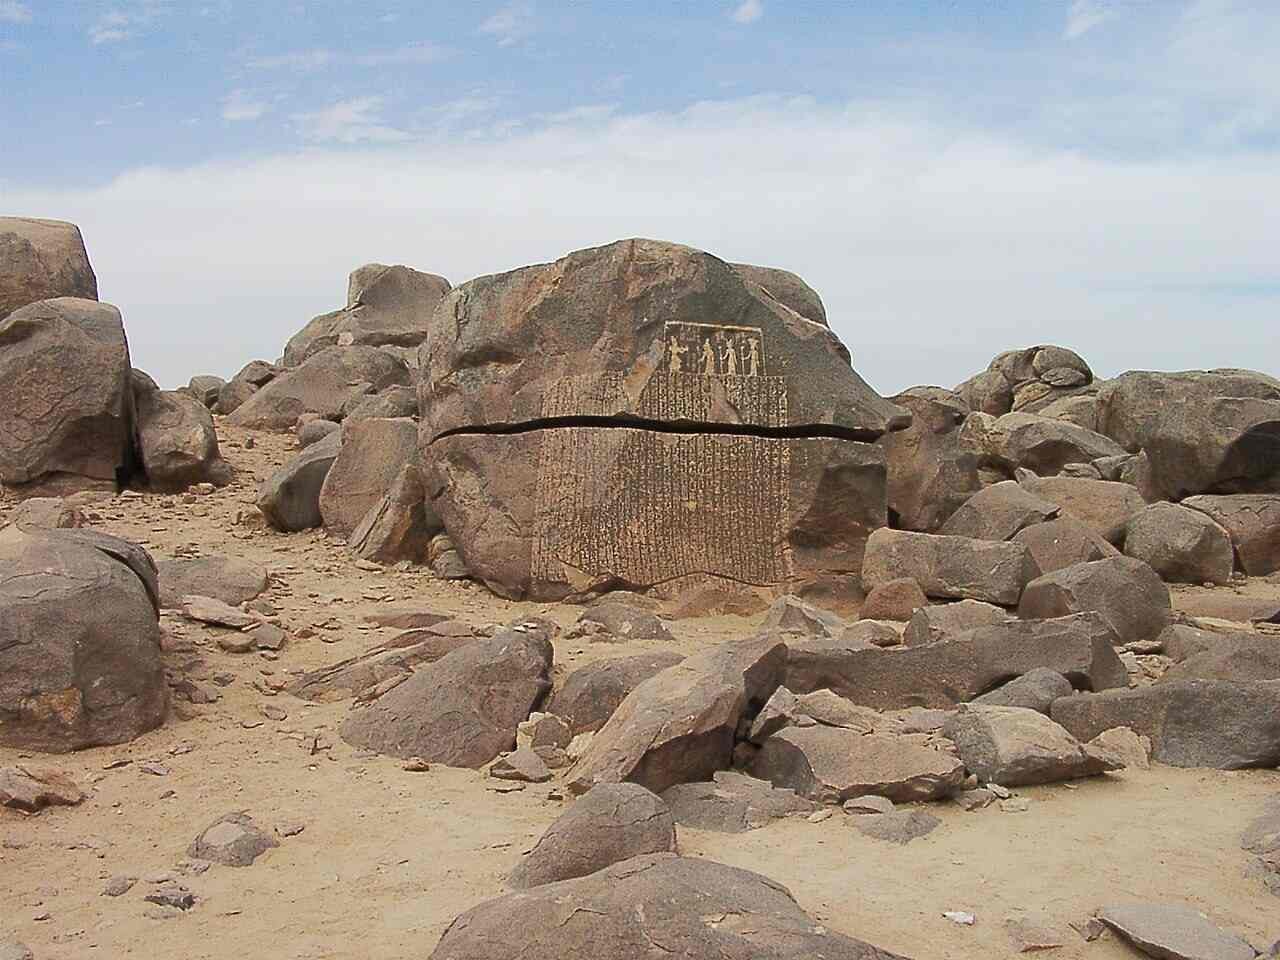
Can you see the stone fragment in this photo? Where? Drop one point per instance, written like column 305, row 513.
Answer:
column 290, row 497
column 233, row 840
column 399, row 526
column 177, row 442
column 949, row 567
column 1014, row 747
column 206, row 389
column 1180, row 544
column 1063, row 542
column 1030, row 937
column 215, row 612
column 976, row 799
column 610, row 823
column 228, row 579
column 931, row 470
column 119, row 885
column 313, row 431
column 1045, row 445
column 894, row 600
column 900, row 827
column 31, row 790
column 1123, row 746
column 378, row 669
column 47, row 513
column 1104, row 506
column 947, row 621
column 524, row 764
column 1173, row 932
column 868, row 804
column 591, row 693
column 620, row 621
column 40, row 260
column 998, row 512
column 543, row 730
column 1034, row 690
column 732, row 802
column 1125, row 591
column 173, row 895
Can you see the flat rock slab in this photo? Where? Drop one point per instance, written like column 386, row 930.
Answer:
column 732, row 802
column 215, row 612
column 900, row 827
column 229, row 579
column 1174, row 932
column 232, row 840
column 31, row 790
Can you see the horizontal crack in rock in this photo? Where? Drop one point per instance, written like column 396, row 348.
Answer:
column 813, row 431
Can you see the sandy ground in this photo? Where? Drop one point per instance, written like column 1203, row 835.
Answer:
column 387, row 857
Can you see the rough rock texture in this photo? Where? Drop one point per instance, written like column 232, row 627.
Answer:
column 390, row 403
column 400, row 525
column 949, row 567
column 380, row 668
column 624, row 910
column 1105, row 506
column 998, row 512
column 206, row 389
column 290, row 497
column 1202, row 431
column 1126, row 592
column 313, row 431
column 1253, row 522
column 732, row 802
column 30, row 790
column 41, row 260
column 610, row 823
column 619, row 620
column 832, row 764
column 1063, row 542
column 385, row 306
column 47, row 513
column 462, row 710
column 894, row 600
column 946, row 621
column 79, row 641
column 246, row 382
column 898, row 826
column 177, row 441
column 1191, row 723
column 1180, row 544
column 591, row 693
column 1239, row 656
column 944, row 674
column 931, row 471
column 228, row 579
column 787, row 288
column 1045, row 446
column 1034, row 690
column 1173, row 932
column 679, row 725
column 581, row 358
column 1262, row 839
column 232, row 840
column 793, row 615
column 65, row 389
column 373, row 454
column 1014, row 746
column 1018, row 378
column 321, row 385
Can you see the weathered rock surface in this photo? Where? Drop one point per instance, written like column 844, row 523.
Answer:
column 1125, row 591
column 31, row 790
column 400, row 525
column 393, row 402
column 732, row 802
column 894, row 600
column 1180, row 544
column 787, row 288
column 47, row 513
column 65, row 389
column 372, row 455
column 232, row 840
column 944, row 674
column 1253, row 522
column 314, row 431
column 321, row 385
column 1105, row 506
column 619, row 621
column 831, row 765
column 386, row 305
column 177, row 441
column 998, row 512
column 228, row 579
column 252, row 376
column 591, row 693
column 215, row 612
column 1239, row 656
column 1034, row 690
column 380, row 668
column 1045, row 446
column 949, row 567
column 205, row 389
column 42, row 260
column 610, row 823
column 624, row 910
column 1173, row 932
column 1020, row 378
column 898, row 826
column 679, row 725
column 462, row 710
column 931, row 471
column 290, row 497
column 1014, row 746
column 946, row 621
column 1191, row 723
column 1063, row 542
column 792, row 615
column 79, row 641
column 582, row 356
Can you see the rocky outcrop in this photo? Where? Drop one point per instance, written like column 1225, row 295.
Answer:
column 399, row 526
column 251, row 377
column 1043, row 445
column 956, row 568
column 1126, row 592
column 787, row 288
column 42, row 260
column 1026, row 380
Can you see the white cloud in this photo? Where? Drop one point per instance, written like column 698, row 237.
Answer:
column 1084, row 15
column 510, row 24
column 11, row 11
column 307, row 61
column 749, row 11
column 242, row 105
column 358, row 120
column 111, row 27
column 302, row 61
column 934, row 246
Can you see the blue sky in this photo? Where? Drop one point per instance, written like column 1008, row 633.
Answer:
column 955, row 178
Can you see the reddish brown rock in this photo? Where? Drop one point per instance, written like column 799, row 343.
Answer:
column 949, row 567
column 590, row 694
column 177, row 442
column 42, row 260
column 948, row 621
column 1015, row 746
column 1126, row 592
column 894, row 600
column 787, row 288
column 290, row 497
column 931, row 470
column 1105, row 506
column 31, row 790
column 998, row 512
column 1063, row 542
column 1253, row 521
column 372, row 454
column 400, row 525
column 1180, row 544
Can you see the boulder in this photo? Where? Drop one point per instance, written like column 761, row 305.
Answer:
column 1125, row 591
column 462, row 710
column 1105, row 506
column 1252, row 521
column 177, row 441
column 1019, row 377
column 1015, row 746
column 216, row 613
column 591, row 693
column 379, row 669
column 1191, row 723
column 373, row 454
column 731, row 802
column 313, row 431
column 290, row 497
column 233, row 396
column 1063, row 542
column 31, row 790
column 524, row 764
column 931, row 470
column 1201, row 431
column 47, row 513
column 679, row 726
column 787, row 288
column 998, row 512
column 1179, row 641
column 949, row 567
column 80, row 658
column 228, row 579
column 65, row 388
column 1034, row 690
column 894, row 600
column 792, row 615
column 1173, row 932
column 549, row 395
column 944, row 674
column 400, row 525
column 321, row 385
column 233, row 840
column 831, row 765
column 42, row 260
column 610, row 823
column 390, row 403
column 1238, row 656
column 1045, row 446
column 386, row 305
column 946, row 621
column 692, row 907
column 1180, row 544
column 206, row 389
column 619, row 621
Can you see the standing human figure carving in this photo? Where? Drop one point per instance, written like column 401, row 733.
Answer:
column 731, row 358
column 708, row 358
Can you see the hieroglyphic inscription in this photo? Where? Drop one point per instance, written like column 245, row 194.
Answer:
column 647, row 506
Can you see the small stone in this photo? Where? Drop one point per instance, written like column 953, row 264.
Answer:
column 504, row 786
column 415, row 765
column 868, row 804
column 1015, row 805
column 272, row 712
column 119, row 886
column 523, row 764
column 172, row 895
column 29, row 789
column 899, row 827
column 1090, row 929
column 153, row 768
column 268, row 636
column 209, row 610
column 236, row 642
column 233, row 840
column 1001, row 793
column 818, row 816
column 290, row 828
column 960, row 917
column 971, row 800
column 1029, row 937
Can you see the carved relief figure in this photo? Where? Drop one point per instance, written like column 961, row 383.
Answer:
column 731, row 357
column 676, row 352
column 708, row 359
column 753, row 360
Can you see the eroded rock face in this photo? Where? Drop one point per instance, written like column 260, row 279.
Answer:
column 399, row 526
column 232, row 840
column 591, row 693
column 372, row 454
column 636, row 414
column 1180, row 544
column 1016, row 746
column 65, row 389
column 998, row 512
column 1062, row 542
column 949, row 567
column 1253, row 521
column 1026, row 379
column 622, row 911
column 787, row 288
column 290, row 497
column 177, row 441
column 1125, row 591
column 41, row 260
column 79, row 641
column 931, row 470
